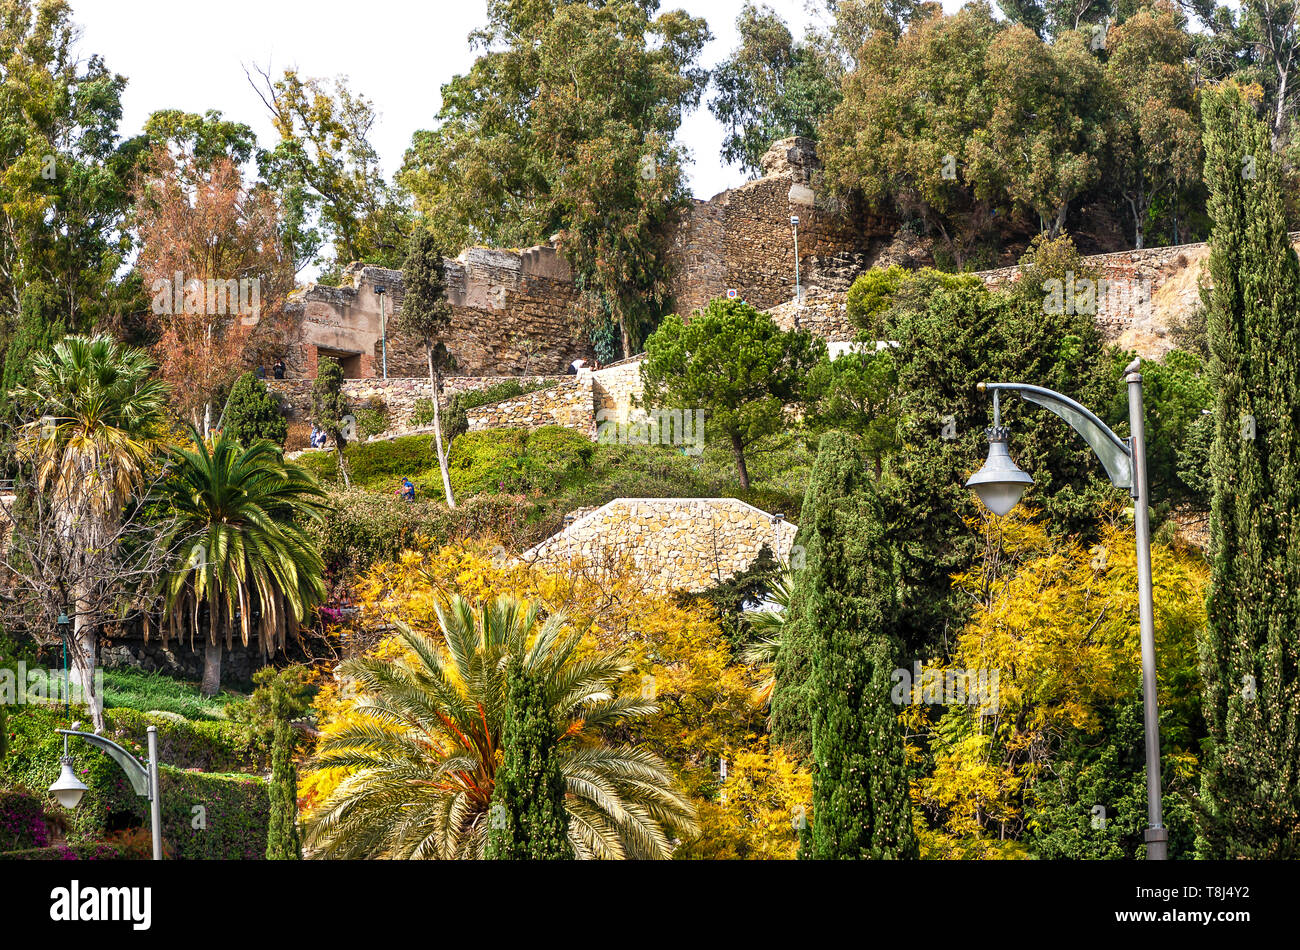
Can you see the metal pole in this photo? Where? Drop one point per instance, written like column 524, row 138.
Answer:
column 1157, row 836
column 155, row 794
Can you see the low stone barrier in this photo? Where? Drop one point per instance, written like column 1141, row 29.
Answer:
column 687, row 544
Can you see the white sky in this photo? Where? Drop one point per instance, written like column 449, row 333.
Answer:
column 182, row 54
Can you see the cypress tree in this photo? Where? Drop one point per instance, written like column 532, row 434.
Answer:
column 861, row 807
column 252, row 413
column 283, row 840
column 1250, row 651
column 41, row 324
column 527, row 820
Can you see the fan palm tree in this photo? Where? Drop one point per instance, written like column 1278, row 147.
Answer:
column 423, row 751
column 97, row 423
column 241, row 514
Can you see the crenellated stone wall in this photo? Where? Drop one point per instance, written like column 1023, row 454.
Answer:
column 686, row 544
column 512, row 313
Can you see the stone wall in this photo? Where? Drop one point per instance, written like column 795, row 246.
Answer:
column 821, row 312
column 742, row 239
column 617, row 389
column 399, row 395
column 688, row 544
column 567, row 403
column 512, row 313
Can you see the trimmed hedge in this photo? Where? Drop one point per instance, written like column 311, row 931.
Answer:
column 207, row 817
column 236, row 806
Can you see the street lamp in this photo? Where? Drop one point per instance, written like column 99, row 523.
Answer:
column 380, row 291
column 64, row 624
column 68, row 789
column 1000, row 483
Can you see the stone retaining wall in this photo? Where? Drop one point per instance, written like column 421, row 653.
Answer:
column 688, row 544
column 567, row 403
column 399, row 395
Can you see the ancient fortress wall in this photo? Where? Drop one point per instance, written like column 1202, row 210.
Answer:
column 743, row 239
column 514, row 313
column 568, row 403
column 518, row 313
column 688, row 544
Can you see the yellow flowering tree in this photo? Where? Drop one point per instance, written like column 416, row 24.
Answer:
column 678, row 657
column 1053, row 641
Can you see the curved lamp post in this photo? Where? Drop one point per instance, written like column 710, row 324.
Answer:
column 68, row 789
column 1000, row 483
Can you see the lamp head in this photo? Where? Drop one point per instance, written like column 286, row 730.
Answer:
column 68, row 789
column 1001, row 482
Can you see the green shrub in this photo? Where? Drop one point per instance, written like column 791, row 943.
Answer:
column 366, row 527
column 516, row 460
column 253, row 413
column 372, row 422
column 422, row 413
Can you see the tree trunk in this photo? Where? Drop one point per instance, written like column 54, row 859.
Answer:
column 82, row 651
column 435, row 383
column 211, row 669
column 742, row 472
column 343, row 463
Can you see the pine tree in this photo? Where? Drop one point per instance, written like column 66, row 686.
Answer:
column 252, row 413
column 861, row 807
column 527, row 820
column 283, row 841
column 1250, row 652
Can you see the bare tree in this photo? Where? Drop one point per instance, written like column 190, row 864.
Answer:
column 50, row 567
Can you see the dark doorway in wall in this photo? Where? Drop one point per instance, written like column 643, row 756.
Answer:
column 351, row 362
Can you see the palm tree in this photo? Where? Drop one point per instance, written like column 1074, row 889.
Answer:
column 99, row 425
column 423, row 750
column 240, row 513
column 768, row 627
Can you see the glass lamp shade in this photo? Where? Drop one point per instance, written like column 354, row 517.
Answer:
column 68, row 789
column 1001, row 482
